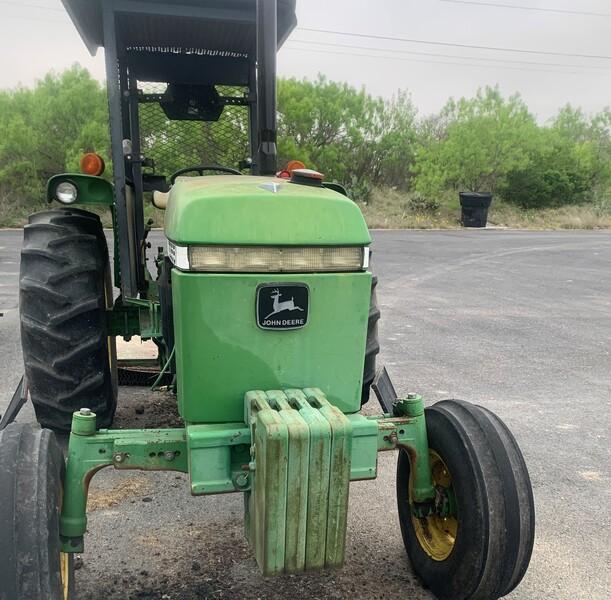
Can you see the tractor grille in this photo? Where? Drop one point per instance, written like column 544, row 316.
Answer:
column 174, row 145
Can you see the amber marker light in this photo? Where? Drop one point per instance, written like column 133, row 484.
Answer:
column 294, row 164
column 92, row 164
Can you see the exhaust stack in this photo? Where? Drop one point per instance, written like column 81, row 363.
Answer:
column 267, row 45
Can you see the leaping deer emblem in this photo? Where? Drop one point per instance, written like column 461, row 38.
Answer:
column 280, row 306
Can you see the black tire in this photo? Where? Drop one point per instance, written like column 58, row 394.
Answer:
column 494, row 506
column 64, row 290
column 372, row 348
column 31, row 476
column 518, row 494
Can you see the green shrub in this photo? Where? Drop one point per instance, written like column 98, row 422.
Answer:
column 544, row 188
column 419, row 204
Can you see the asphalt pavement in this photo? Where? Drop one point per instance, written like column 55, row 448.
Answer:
column 519, row 322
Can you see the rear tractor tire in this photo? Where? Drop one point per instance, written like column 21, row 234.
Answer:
column 478, row 543
column 372, row 348
column 31, row 483
column 64, row 291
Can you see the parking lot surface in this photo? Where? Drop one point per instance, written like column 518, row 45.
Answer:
column 519, row 322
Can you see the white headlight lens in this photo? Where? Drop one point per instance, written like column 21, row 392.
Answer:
column 66, row 192
column 266, row 259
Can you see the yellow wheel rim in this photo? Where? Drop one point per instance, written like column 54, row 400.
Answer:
column 436, row 534
column 64, row 558
column 64, row 573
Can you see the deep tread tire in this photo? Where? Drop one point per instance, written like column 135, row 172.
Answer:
column 495, row 506
column 31, row 474
column 372, row 348
column 70, row 362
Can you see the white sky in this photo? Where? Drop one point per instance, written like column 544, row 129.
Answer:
column 36, row 36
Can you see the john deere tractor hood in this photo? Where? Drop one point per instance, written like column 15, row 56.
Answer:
column 244, row 210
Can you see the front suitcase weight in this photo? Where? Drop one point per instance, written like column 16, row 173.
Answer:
column 296, row 513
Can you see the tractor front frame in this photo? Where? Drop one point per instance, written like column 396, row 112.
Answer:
column 293, row 456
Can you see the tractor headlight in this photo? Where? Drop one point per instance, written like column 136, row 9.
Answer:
column 269, row 259
column 66, row 192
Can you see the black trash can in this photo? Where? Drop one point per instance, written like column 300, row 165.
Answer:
column 474, row 208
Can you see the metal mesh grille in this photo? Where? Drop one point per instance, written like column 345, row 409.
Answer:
column 174, row 145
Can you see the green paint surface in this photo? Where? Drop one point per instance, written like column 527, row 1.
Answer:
column 245, row 210
column 297, row 482
column 268, row 500
column 318, row 478
column 282, row 501
column 217, row 453
column 341, row 448
column 91, row 190
column 221, row 353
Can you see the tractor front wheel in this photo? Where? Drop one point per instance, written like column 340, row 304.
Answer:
column 32, row 565
column 477, row 543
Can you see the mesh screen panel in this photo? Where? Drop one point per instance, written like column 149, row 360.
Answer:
column 174, row 145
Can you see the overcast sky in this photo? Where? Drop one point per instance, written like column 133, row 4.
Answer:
column 36, row 36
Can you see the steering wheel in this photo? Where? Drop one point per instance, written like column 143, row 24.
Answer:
column 201, row 168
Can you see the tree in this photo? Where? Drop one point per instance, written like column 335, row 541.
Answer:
column 569, row 163
column 486, row 143
column 486, row 137
column 397, row 142
column 346, row 133
column 46, row 129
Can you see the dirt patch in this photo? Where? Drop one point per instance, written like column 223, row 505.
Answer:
column 127, row 488
column 150, row 541
column 141, row 408
column 216, row 563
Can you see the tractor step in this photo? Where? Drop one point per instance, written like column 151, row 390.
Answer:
column 384, row 391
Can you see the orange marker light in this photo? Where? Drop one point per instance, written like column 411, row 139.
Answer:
column 294, row 164
column 92, row 164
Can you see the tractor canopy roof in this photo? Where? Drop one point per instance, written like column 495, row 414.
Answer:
column 227, row 26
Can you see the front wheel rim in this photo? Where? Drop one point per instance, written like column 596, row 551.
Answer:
column 64, row 573
column 436, row 534
column 64, row 559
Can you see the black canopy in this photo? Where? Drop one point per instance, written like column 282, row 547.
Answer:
column 211, row 25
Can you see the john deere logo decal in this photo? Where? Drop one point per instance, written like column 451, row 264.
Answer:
column 282, row 306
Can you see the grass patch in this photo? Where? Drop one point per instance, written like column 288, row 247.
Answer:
column 395, row 209
column 13, row 213
column 127, row 489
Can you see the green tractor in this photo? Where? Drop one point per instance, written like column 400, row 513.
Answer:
column 263, row 309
